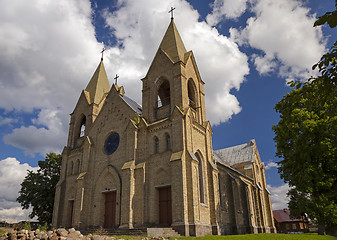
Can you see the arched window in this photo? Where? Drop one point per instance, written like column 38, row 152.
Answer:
column 168, row 142
column 164, row 97
column 192, row 100
column 156, row 145
column 201, row 179
column 82, row 127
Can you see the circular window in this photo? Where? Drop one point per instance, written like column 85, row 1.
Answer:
column 111, row 143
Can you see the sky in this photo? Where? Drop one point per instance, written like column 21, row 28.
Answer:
column 246, row 52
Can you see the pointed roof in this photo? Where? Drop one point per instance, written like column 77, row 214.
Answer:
column 172, row 44
column 98, row 85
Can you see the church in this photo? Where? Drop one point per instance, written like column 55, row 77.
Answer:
column 133, row 166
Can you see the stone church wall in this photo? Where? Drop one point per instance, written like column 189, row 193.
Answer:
column 162, row 150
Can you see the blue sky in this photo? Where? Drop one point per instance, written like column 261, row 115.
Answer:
column 246, row 51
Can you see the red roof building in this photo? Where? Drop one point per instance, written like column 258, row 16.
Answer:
column 285, row 224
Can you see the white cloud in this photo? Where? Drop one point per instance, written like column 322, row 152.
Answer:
column 12, row 174
column 49, row 53
column 283, row 31
column 264, row 64
column 230, row 9
column 279, row 199
column 47, row 56
column 34, row 139
column 221, row 63
column 271, row 165
column 7, row 121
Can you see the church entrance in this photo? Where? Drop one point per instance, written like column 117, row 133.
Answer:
column 110, row 209
column 165, row 206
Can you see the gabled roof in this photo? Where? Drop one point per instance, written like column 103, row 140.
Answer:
column 172, row 44
column 284, row 216
column 135, row 106
column 236, row 154
column 223, row 163
column 98, row 85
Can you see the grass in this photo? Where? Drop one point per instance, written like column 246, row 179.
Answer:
column 277, row 236
column 2, row 232
column 264, row 236
column 261, row 236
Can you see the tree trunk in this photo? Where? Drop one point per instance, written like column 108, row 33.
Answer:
column 321, row 229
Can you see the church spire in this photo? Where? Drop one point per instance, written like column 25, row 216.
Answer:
column 98, row 85
column 172, row 44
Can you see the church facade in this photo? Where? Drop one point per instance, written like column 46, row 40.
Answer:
column 131, row 166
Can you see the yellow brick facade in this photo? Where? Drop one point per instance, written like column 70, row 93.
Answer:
column 164, row 152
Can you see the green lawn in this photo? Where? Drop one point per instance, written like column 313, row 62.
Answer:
column 264, row 236
column 307, row 236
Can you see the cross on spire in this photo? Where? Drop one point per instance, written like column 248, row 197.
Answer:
column 116, row 79
column 171, row 11
column 102, row 53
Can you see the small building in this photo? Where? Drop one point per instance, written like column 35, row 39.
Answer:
column 285, row 224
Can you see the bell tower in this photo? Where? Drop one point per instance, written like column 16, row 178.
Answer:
column 88, row 106
column 173, row 80
column 173, row 108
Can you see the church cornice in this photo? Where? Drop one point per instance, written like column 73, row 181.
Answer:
column 161, row 124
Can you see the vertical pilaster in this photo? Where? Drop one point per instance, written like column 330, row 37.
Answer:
column 127, row 195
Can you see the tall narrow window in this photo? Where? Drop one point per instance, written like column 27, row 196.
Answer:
column 168, row 142
column 82, row 127
column 164, row 94
column 201, row 180
column 156, row 145
column 191, row 94
column 220, row 191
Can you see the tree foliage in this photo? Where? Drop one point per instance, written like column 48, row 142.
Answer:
column 38, row 189
column 306, row 139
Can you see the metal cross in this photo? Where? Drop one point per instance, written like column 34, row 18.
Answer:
column 102, row 53
column 171, row 11
column 116, row 79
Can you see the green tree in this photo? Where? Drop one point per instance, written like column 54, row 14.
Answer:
column 306, row 140
column 38, row 189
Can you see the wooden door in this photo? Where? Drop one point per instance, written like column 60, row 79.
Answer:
column 110, row 210
column 165, row 206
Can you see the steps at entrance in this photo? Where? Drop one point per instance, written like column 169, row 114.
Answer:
column 162, row 232
column 115, row 231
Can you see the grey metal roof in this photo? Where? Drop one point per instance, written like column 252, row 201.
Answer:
column 223, row 163
column 135, row 106
column 236, row 154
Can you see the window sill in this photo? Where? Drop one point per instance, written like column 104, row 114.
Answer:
column 204, row 205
